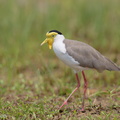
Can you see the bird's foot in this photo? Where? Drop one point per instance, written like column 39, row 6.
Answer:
column 82, row 110
column 63, row 104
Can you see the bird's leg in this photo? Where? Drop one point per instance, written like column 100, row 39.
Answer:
column 85, row 89
column 78, row 85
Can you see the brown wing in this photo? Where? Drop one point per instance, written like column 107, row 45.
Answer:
column 87, row 56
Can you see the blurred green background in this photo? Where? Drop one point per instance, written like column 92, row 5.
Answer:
column 27, row 68
column 24, row 23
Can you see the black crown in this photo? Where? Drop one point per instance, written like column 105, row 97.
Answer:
column 55, row 31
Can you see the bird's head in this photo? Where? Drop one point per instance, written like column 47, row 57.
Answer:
column 50, row 37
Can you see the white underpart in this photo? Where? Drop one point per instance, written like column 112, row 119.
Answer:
column 60, row 51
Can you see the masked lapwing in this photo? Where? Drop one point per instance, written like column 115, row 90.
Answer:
column 79, row 56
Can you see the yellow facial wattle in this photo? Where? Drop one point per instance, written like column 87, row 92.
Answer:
column 49, row 39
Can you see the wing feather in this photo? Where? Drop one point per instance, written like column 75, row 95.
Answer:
column 89, row 57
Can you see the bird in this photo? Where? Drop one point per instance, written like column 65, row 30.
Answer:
column 79, row 56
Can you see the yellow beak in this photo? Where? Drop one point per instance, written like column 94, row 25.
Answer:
column 45, row 41
column 49, row 41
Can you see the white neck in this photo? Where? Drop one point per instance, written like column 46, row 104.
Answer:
column 58, row 45
column 59, row 38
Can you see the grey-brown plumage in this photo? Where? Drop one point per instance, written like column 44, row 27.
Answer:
column 88, row 57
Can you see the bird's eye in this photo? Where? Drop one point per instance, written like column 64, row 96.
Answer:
column 53, row 35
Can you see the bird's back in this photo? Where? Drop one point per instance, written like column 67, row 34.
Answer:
column 89, row 57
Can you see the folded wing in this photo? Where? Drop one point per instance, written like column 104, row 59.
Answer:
column 88, row 57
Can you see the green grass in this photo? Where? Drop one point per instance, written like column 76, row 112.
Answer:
column 33, row 82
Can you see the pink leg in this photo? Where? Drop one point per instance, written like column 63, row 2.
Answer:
column 85, row 89
column 78, row 85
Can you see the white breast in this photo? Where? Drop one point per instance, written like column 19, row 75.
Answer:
column 60, row 51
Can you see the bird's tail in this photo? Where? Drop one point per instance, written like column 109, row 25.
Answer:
column 111, row 66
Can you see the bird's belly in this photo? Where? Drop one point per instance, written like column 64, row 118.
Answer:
column 68, row 60
column 60, row 51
